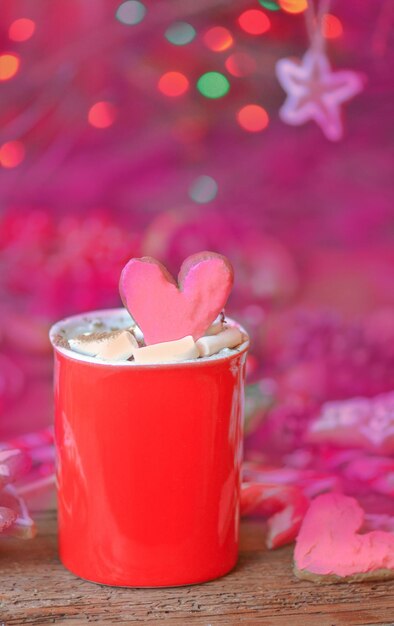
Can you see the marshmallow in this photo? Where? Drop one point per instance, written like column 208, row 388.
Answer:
column 229, row 338
column 215, row 328
column 167, row 351
column 92, row 343
column 136, row 331
column 119, row 347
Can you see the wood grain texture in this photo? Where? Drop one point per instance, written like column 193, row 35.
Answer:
column 36, row 589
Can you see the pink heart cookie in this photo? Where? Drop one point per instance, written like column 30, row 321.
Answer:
column 165, row 311
column 331, row 549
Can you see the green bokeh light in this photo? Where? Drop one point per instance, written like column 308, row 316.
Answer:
column 131, row 12
column 213, row 85
column 203, row 189
column 270, row 5
column 180, row 33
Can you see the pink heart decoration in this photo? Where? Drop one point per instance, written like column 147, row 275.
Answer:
column 165, row 311
column 330, row 547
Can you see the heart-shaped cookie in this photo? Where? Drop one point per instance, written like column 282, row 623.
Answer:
column 330, row 547
column 165, row 310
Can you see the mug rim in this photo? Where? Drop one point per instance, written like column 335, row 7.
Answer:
column 60, row 326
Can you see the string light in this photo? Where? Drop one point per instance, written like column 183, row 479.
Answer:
column 9, row 65
column 253, row 118
column 203, row 189
column 102, row 114
column 293, row 6
column 173, row 84
column 12, row 154
column 213, row 85
column 270, row 5
column 21, row 29
column 240, row 64
column 131, row 12
column 218, row 39
column 331, row 26
column 180, row 33
column 254, row 22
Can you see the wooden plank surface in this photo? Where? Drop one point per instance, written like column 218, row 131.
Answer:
column 36, row 589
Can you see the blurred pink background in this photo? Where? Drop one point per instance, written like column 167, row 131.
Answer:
column 101, row 161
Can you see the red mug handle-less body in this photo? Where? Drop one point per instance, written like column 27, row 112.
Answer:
column 148, row 467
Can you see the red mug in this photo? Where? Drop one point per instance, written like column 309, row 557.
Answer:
column 148, row 463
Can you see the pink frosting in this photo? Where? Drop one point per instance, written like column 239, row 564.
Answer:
column 329, row 542
column 166, row 311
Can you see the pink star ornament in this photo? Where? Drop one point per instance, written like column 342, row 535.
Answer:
column 315, row 92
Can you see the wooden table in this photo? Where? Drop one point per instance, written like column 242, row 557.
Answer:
column 36, row 589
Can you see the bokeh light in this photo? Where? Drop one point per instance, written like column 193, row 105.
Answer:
column 293, row 6
column 21, row 29
column 203, row 189
column 102, row 114
column 9, row 65
column 270, row 5
column 131, row 12
column 240, row 64
column 253, row 118
column 12, row 154
column 180, row 33
column 254, row 22
column 173, row 84
column 331, row 26
column 213, row 85
column 218, row 39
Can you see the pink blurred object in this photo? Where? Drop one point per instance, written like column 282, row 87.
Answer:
column 38, row 489
column 353, row 357
column 283, row 505
column 22, row 526
column 312, row 357
column 12, row 381
column 13, row 464
column 357, row 279
column 378, row 521
column 14, row 517
column 361, row 473
column 309, row 481
column 55, row 266
column 374, row 471
column 25, row 333
column 7, row 518
column 33, row 442
column 358, row 422
column 37, row 485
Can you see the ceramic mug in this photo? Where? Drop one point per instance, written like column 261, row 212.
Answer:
column 148, row 463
